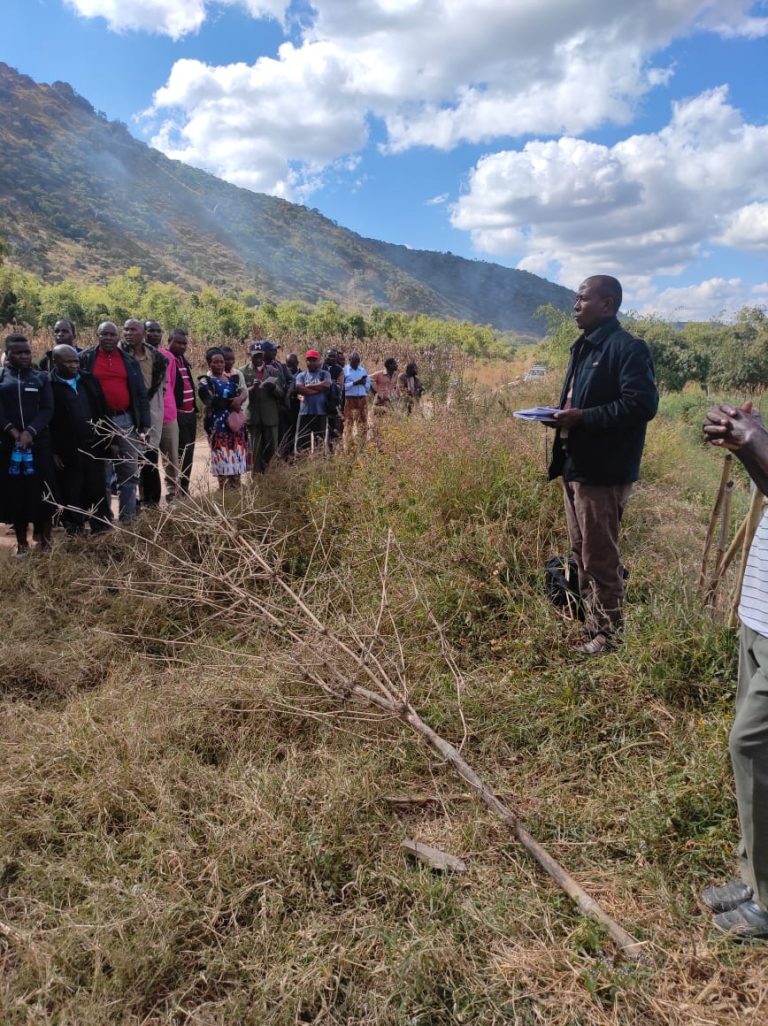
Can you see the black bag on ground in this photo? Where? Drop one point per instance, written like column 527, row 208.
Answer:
column 561, row 583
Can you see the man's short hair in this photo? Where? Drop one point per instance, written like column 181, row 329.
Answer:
column 16, row 338
column 177, row 331
column 66, row 320
column 609, row 287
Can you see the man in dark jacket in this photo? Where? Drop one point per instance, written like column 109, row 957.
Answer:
column 79, row 447
column 608, row 397
column 127, row 409
column 64, row 334
column 334, row 364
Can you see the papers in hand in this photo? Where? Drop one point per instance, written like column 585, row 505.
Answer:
column 542, row 414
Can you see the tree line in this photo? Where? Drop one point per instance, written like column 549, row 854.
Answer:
column 210, row 315
column 731, row 357
column 711, row 354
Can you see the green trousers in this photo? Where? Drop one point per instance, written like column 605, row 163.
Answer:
column 263, row 439
column 748, row 745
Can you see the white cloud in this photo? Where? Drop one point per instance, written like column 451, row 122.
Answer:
column 648, row 205
column 436, row 72
column 438, row 201
column 748, row 228
column 255, row 125
column 717, row 297
column 174, row 18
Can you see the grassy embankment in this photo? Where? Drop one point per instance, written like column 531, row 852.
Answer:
column 190, row 834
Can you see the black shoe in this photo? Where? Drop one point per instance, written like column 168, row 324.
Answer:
column 727, row 897
column 748, row 921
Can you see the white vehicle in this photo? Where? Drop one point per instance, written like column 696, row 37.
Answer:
column 535, row 373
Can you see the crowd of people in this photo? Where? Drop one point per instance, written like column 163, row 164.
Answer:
column 84, row 425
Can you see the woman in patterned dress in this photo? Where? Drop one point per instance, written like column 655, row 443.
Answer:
column 223, row 422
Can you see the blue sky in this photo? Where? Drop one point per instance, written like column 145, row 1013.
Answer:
column 554, row 135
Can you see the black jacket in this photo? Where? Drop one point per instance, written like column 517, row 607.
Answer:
column 614, row 384
column 73, row 425
column 139, row 398
column 26, row 402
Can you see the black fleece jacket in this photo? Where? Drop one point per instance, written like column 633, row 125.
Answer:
column 614, row 384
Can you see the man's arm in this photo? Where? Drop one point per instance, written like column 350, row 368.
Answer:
column 324, row 385
column 743, row 432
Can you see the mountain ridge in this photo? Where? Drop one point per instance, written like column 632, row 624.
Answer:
column 81, row 197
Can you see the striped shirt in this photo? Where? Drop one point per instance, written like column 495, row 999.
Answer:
column 187, row 388
column 753, row 607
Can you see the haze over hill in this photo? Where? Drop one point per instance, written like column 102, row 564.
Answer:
column 80, row 197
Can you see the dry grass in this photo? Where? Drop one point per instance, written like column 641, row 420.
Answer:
column 191, row 833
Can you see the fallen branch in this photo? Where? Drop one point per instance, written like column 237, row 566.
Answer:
column 406, row 801
column 433, row 857
column 349, row 664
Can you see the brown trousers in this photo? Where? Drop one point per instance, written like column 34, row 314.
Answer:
column 594, row 513
column 355, row 413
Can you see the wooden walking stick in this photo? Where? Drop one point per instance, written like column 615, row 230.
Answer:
column 750, row 526
column 736, row 543
column 724, row 478
column 722, row 540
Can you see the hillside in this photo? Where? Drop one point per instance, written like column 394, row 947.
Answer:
column 80, row 197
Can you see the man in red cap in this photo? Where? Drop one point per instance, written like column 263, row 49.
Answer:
column 312, row 386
